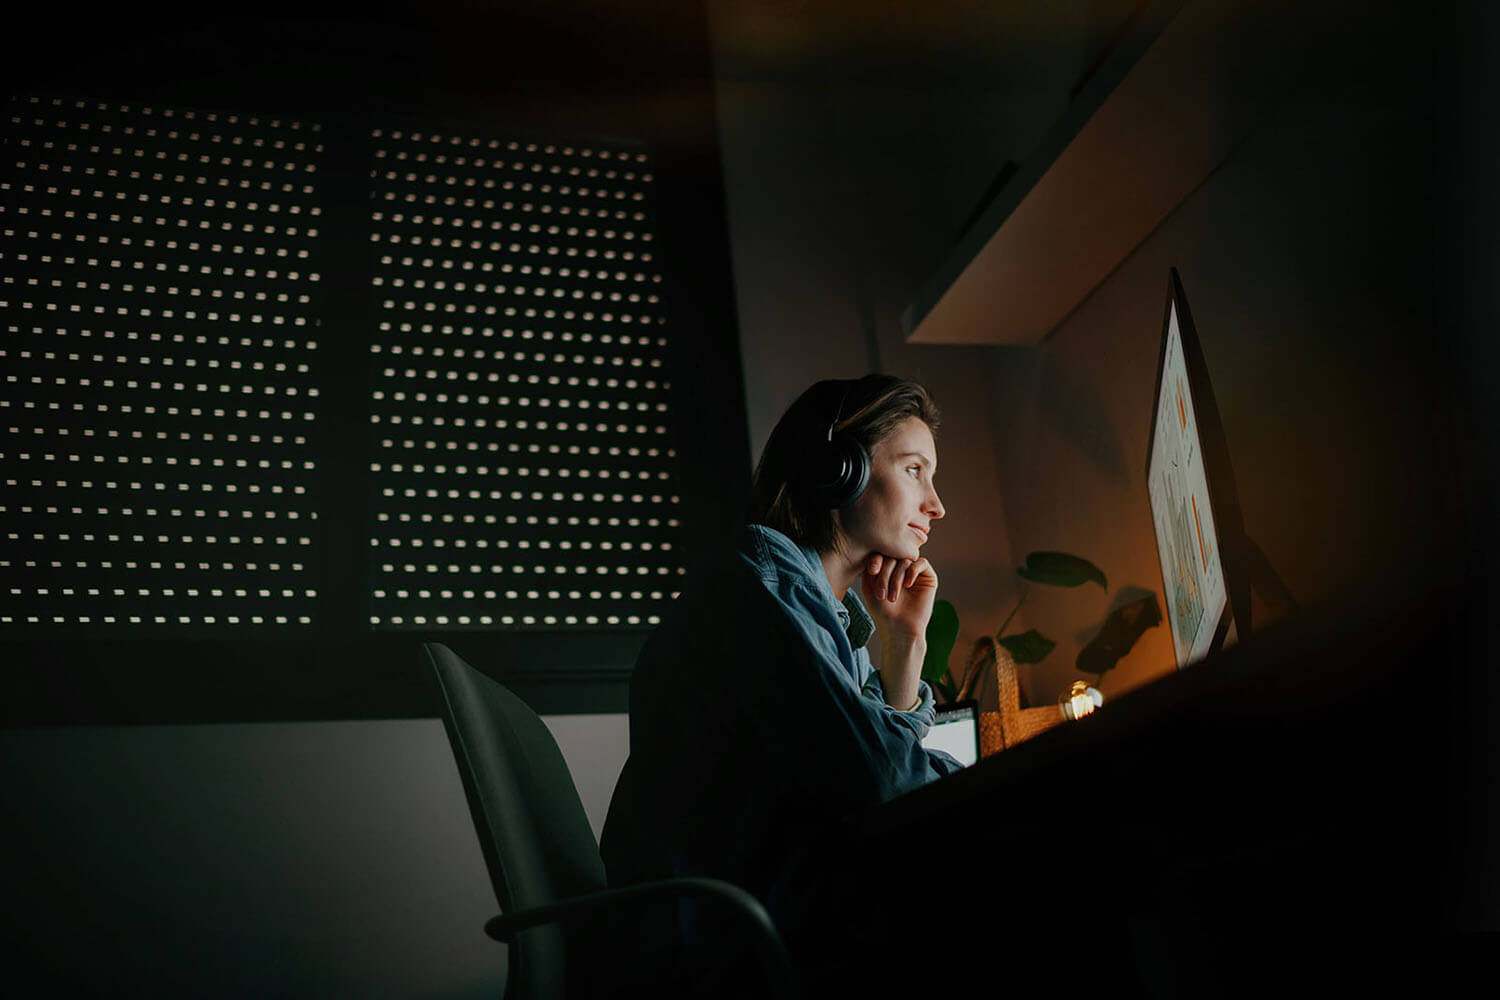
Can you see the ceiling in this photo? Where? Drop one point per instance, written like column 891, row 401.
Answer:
column 640, row 46
column 993, row 44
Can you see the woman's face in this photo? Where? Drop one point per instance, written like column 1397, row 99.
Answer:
column 895, row 513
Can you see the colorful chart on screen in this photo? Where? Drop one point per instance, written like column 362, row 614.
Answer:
column 1191, row 570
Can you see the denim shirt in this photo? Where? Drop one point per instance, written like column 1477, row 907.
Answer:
column 759, row 736
column 841, row 631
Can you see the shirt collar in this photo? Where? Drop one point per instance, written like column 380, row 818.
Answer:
column 861, row 625
column 857, row 623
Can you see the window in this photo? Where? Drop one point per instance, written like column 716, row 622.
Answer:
column 158, row 422
column 188, row 453
column 524, row 469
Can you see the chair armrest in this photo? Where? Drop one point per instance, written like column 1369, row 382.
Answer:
column 767, row 938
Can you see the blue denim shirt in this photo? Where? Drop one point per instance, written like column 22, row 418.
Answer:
column 759, row 737
column 840, row 631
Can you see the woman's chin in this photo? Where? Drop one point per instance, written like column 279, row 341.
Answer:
column 912, row 552
column 895, row 550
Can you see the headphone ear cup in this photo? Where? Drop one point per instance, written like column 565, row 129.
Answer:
column 844, row 474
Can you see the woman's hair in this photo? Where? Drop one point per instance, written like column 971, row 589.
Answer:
column 869, row 409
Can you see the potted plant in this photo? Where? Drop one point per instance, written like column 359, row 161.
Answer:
column 1114, row 639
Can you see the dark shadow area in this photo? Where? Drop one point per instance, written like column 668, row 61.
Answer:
column 1229, row 820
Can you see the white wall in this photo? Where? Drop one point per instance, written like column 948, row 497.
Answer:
column 287, row 859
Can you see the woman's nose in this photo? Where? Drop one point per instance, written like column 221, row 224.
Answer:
column 934, row 506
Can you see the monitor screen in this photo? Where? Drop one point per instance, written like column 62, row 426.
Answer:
column 955, row 730
column 1192, row 504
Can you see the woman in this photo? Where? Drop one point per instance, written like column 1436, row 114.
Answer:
column 759, row 730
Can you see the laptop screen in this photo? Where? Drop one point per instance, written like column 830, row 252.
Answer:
column 956, row 731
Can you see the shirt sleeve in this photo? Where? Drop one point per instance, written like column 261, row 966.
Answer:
column 919, row 718
column 862, row 750
column 887, row 739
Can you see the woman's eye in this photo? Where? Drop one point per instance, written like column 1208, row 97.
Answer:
column 915, row 470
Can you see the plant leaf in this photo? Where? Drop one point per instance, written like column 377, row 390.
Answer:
column 1118, row 634
column 1028, row 647
column 1059, row 569
column 942, row 633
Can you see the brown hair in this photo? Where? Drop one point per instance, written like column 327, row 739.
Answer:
column 869, row 408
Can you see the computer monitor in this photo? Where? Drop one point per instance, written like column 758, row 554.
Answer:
column 1194, row 504
column 955, row 730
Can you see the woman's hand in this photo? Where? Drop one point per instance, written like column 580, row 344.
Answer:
column 900, row 594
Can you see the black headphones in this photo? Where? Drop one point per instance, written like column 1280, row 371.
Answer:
column 839, row 468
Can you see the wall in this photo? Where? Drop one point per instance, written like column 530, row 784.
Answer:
column 292, row 859
column 856, row 143
column 820, row 290
column 1469, row 258
column 1309, row 261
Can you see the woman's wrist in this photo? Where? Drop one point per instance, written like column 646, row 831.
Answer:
column 901, row 670
column 902, row 643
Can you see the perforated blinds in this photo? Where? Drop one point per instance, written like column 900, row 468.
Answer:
column 160, row 305
column 162, row 418
column 523, row 461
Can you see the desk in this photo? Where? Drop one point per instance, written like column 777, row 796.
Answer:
column 1300, row 787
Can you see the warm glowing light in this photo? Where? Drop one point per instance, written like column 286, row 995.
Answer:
column 1079, row 700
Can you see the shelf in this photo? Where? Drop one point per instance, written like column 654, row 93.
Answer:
column 1183, row 87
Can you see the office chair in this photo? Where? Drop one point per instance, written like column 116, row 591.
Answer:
column 540, row 850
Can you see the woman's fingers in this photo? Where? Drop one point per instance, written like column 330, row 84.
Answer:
column 880, row 569
column 895, row 581
column 891, row 576
column 917, row 572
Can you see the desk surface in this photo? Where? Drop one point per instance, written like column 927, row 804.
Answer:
column 1314, row 778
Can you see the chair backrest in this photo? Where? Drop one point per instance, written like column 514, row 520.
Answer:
column 535, row 835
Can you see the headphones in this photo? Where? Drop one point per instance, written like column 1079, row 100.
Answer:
column 838, row 468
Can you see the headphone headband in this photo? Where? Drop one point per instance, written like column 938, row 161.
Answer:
column 838, row 411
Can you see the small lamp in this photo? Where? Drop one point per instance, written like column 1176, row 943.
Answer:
column 1079, row 700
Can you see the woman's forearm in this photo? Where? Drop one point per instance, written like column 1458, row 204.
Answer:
column 901, row 659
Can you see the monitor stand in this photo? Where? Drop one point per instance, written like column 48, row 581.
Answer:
column 1270, row 598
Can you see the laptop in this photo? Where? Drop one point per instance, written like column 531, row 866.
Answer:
column 955, row 731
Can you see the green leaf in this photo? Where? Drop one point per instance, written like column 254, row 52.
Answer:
column 942, row 633
column 1118, row 634
column 1028, row 647
column 1059, row 569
